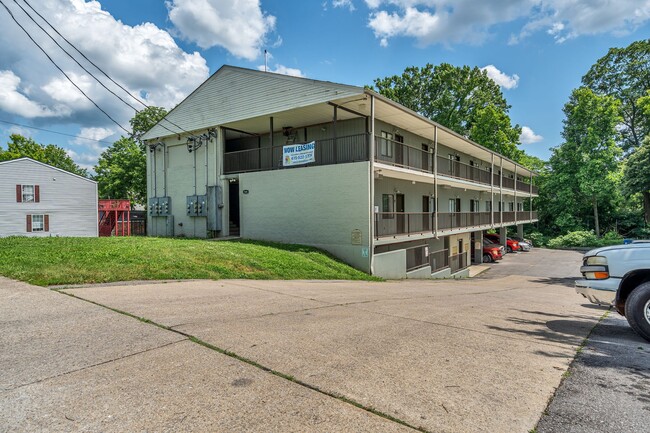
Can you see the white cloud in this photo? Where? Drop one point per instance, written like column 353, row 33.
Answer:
column 504, row 80
column 528, row 136
column 284, row 70
column 238, row 26
column 13, row 101
column 343, row 4
column 469, row 21
column 92, row 134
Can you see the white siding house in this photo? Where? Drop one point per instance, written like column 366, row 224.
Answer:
column 37, row 199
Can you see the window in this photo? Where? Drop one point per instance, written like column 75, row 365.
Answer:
column 520, row 206
column 38, row 223
column 511, row 206
column 454, row 205
column 386, row 144
column 27, row 193
column 488, row 206
column 386, row 203
column 474, row 206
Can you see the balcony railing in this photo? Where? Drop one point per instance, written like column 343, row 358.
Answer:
column 416, row 258
column 458, row 262
column 351, row 148
column 401, row 155
column 460, row 170
column 439, row 260
column 408, row 223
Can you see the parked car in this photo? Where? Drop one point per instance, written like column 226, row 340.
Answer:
column 619, row 276
column 520, row 240
column 491, row 253
column 511, row 244
column 524, row 246
column 489, row 243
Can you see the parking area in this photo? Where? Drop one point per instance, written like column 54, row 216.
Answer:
column 484, row 354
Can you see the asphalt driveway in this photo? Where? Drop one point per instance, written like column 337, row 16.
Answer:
column 484, row 354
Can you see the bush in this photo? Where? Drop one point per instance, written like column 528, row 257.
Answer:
column 584, row 238
column 537, row 238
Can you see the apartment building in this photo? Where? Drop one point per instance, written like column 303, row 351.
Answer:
column 265, row 156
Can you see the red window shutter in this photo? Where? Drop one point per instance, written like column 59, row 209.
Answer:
column 29, row 223
column 37, row 193
column 46, row 223
column 19, row 193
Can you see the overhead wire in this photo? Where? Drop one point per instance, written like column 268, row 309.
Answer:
column 97, row 67
column 53, row 132
column 61, row 70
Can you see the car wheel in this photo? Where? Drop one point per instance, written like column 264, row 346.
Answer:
column 637, row 310
column 508, row 249
column 487, row 258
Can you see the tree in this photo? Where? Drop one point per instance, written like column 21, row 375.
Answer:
column 585, row 169
column 122, row 168
column 463, row 99
column 624, row 73
column 20, row 147
column 121, row 172
column 636, row 178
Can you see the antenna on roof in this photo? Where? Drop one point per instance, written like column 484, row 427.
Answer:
column 265, row 61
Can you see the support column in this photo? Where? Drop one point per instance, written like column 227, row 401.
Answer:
column 371, row 219
column 478, row 247
column 503, row 235
column 520, row 230
column 435, row 179
column 492, row 191
column 516, row 204
column 334, row 144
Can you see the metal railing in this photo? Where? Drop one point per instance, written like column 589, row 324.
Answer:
column 416, row 258
column 402, row 223
column 399, row 154
column 509, row 217
column 460, row 170
column 351, row 148
column 455, row 220
column 458, row 262
column 439, row 260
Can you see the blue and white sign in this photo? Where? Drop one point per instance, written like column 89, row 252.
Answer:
column 297, row 154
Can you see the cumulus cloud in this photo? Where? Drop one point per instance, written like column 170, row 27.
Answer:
column 12, row 100
column 343, row 4
column 468, row 21
column 528, row 136
column 284, row 70
column 142, row 58
column 240, row 27
column 504, row 80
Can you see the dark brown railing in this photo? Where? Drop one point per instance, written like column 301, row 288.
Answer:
column 509, row 217
column 439, row 260
column 416, row 258
column 454, row 220
column 460, row 170
column 351, row 148
column 401, row 155
column 458, row 262
column 402, row 223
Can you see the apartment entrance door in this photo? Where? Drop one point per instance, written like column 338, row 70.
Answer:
column 400, row 215
column 233, row 208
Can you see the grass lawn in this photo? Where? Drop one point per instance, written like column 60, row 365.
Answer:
column 54, row 261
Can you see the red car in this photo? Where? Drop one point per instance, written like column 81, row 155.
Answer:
column 511, row 244
column 491, row 253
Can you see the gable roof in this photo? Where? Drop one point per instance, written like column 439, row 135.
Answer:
column 27, row 159
column 232, row 94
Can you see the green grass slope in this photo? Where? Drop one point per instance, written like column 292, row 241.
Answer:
column 56, row 261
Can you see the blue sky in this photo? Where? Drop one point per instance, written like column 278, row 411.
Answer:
column 536, row 50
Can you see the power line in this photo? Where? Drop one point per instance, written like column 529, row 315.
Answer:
column 97, row 67
column 61, row 70
column 53, row 132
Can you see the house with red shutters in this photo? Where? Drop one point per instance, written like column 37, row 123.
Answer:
column 37, row 199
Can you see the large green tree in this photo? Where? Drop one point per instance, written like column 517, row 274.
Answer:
column 20, row 147
column 585, row 169
column 624, row 74
column 122, row 168
column 463, row 99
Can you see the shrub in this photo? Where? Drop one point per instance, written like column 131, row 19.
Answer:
column 537, row 238
column 585, row 238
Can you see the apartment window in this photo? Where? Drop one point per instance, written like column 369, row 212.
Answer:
column 38, row 223
column 474, row 206
column 386, row 144
column 27, row 193
column 520, row 206
column 454, row 205
column 511, row 206
column 387, row 203
column 488, row 206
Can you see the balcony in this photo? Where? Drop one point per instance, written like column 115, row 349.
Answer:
column 352, row 148
column 398, row 154
column 392, row 224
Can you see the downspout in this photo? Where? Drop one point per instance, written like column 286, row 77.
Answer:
column 492, row 192
column 334, row 136
column 516, row 212
column 371, row 154
column 435, row 179
column 165, row 169
column 531, row 197
column 501, row 194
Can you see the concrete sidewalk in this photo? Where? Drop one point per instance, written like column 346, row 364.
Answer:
column 444, row 356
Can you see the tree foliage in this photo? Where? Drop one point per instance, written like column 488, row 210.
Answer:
column 20, row 147
column 584, row 170
column 624, row 73
column 463, row 99
column 121, row 172
column 122, row 168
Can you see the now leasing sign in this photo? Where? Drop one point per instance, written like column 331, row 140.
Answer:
column 297, row 154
